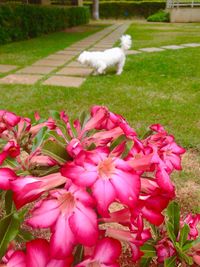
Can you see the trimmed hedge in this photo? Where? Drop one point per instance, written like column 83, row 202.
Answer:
column 19, row 22
column 160, row 16
column 128, row 9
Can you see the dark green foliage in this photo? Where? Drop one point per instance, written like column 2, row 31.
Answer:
column 19, row 22
column 129, row 9
column 160, row 16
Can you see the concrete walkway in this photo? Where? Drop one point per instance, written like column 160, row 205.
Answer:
column 62, row 69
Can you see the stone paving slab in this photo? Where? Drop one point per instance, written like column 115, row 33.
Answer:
column 75, row 71
column 79, row 46
column 102, row 47
column 151, row 49
column 93, row 49
column 105, row 43
column 59, row 57
column 66, row 52
column 65, row 81
column 191, row 45
column 7, row 68
column 36, row 70
column 74, row 49
column 20, row 79
column 133, row 52
column 49, row 63
column 173, row 47
column 75, row 64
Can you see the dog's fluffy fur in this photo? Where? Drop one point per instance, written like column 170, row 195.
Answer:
column 100, row 61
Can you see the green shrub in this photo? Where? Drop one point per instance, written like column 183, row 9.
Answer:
column 19, row 22
column 160, row 16
column 128, row 9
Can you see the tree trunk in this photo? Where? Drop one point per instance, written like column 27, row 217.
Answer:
column 95, row 9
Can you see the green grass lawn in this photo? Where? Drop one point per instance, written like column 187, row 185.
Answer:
column 159, row 87
column 158, row 34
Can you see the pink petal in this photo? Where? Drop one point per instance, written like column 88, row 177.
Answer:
column 153, row 217
column 107, row 250
column 82, row 176
column 18, row 259
column 83, row 224
column 26, row 189
column 37, row 253
column 3, row 156
column 62, row 240
column 61, row 263
column 82, row 195
column 11, row 118
column 127, row 187
column 45, row 214
column 105, row 194
column 6, row 176
column 164, row 181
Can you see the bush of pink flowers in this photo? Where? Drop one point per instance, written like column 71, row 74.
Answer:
column 73, row 174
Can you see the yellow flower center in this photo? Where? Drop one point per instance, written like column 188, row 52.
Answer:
column 106, row 168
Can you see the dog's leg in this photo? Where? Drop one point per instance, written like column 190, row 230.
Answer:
column 101, row 69
column 120, row 66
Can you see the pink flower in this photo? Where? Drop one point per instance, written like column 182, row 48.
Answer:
column 70, row 217
column 164, row 250
column 192, row 221
column 50, row 123
column 36, row 159
column 6, row 176
column 74, row 147
column 110, row 178
column 105, row 254
column 11, row 149
column 37, row 255
column 168, row 151
column 29, row 188
column 111, row 120
column 135, row 237
column 153, row 200
column 122, row 216
column 9, row 118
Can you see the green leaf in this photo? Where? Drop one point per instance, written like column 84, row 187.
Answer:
column 9, row 205
column 83, row 118
column 128, row 146
column 183, row 255
column 55, row 151
column 145, row 262
column 11, row 162
column 188, row 245
column 78, row 256
column 173, row 212
column 24, row 236
column 9, row 228
column 54, row 114
column 118, row 141
column 39, row 138
column 170, row 231
column 183, row 235
column 170, row 262
column 149, row 250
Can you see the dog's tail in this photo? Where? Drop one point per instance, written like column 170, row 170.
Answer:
column 126, row 42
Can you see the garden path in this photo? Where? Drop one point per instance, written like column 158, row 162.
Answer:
column 62, row 69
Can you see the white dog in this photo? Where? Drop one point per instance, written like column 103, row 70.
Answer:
column 100, row 61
